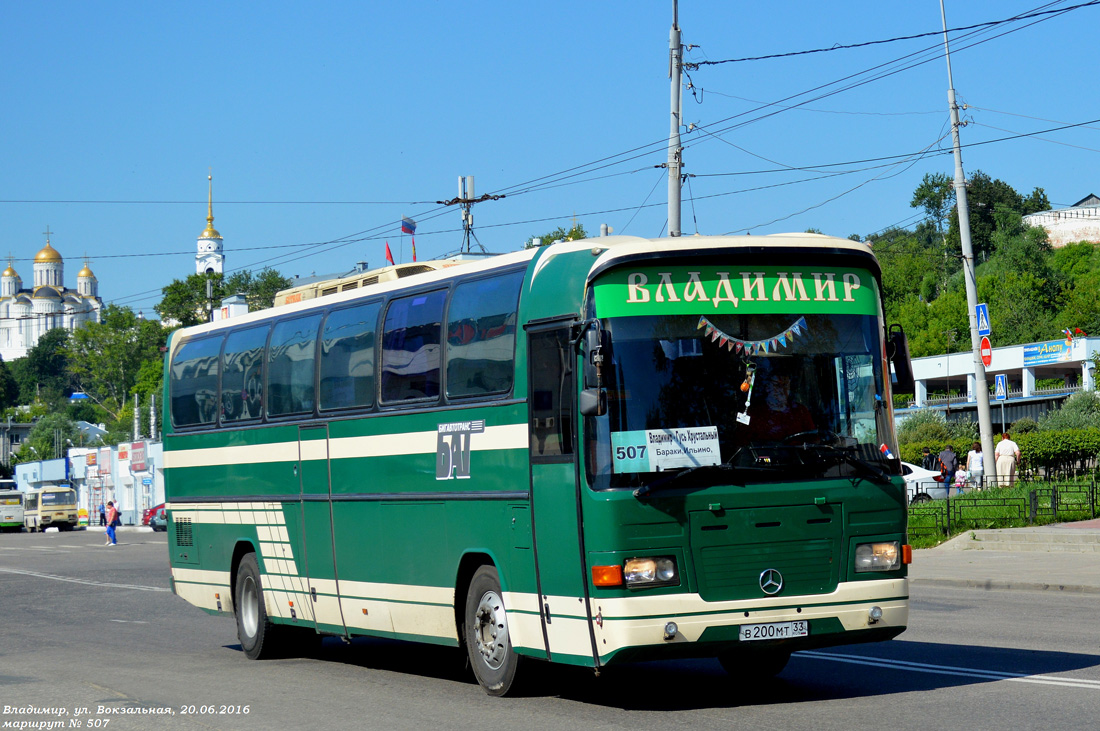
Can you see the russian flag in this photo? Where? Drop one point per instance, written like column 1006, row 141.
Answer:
column 886, row 451
column 408, row 226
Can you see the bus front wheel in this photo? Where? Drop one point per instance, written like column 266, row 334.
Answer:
column 254, row 628
column 486, row 628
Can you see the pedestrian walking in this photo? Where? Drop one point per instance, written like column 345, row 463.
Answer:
column 1008, row 456
column 928, row 460
column 975, row 465
column 113, row 521
column 103, row 515
column 949, row 463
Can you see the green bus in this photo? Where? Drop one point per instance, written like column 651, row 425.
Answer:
column 592, row 452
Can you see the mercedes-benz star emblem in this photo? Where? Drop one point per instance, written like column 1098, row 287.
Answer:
column 771, row 581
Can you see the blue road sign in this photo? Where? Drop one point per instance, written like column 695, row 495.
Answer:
column 982, row 312
column 1000, row 390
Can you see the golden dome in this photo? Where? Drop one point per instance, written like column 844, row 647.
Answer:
column 209, row 232
column 85, row 272
column 48, row 255
column 9, row 272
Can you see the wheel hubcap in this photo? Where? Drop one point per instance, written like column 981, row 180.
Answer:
column 250, row 607
column 491, row 630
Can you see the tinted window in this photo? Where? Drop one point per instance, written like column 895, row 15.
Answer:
column 291, row 366
column 194, row 382
column 481, row 336
column 347, row 357
column 410, row 347
column 551, row 403
column 242, row 374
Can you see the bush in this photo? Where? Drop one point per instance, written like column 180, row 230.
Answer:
column 931, row 426
column 1071, row 450
column 1079, row 411
column 1024, row 425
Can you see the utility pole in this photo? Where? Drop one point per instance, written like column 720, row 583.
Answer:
column 981, row 387
column 675, row 152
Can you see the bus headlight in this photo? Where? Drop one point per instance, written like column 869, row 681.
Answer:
column 883, row 556
column 650, row 572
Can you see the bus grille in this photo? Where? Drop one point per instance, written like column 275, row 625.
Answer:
column 732, row 548
column 733, row 572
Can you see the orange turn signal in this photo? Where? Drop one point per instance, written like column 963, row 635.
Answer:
column 907, row 554
column 607, row 575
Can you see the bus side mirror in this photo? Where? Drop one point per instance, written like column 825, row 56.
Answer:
column 898, row 350
column 593, row 398
column 593, row 356
column 593, row 402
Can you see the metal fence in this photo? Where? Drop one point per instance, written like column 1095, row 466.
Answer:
column 1045, row 502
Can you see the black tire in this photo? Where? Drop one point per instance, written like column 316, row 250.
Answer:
column 754, row 667
column 258, row 635
column 921, row 498
column 486, row 629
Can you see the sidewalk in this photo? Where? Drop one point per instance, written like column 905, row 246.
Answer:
column 1060, row 557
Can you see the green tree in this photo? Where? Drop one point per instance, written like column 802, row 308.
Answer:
column 9, row 388
column 106, row 357
column 184, row 301
column 559, row 234
column 259, row 289
column 984, row 195
column 936, row 195
column 43, row 373
column 51, row 436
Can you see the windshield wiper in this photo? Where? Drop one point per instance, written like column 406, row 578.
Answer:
column 646, row 489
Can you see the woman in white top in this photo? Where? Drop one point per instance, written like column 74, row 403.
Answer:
column 975, row 464
column 1008, row 454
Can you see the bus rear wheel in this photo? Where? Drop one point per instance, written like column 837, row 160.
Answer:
column 258, row 635
column 487, row 640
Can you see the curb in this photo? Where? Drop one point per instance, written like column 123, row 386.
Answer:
column 1002, row 585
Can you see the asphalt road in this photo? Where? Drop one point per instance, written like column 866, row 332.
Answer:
column 95, row 628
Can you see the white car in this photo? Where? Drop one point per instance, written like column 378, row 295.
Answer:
column 922, row 485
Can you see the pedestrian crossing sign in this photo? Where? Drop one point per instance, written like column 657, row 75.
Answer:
column 982, row 311
column 1000, row 390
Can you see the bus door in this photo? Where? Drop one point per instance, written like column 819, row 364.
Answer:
column 555, row 503
column 317, row 529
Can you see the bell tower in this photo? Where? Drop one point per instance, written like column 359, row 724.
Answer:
column 210, row 257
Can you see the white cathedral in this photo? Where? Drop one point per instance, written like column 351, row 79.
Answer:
column 27, row 314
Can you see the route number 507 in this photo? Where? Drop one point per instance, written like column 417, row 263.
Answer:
column 630, row 452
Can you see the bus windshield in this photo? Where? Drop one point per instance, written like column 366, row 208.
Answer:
column 774, row 397
column 62, row 497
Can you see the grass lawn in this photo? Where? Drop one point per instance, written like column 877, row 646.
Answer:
column 1028, row 503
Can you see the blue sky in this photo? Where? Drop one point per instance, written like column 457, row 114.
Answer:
column 326, row 122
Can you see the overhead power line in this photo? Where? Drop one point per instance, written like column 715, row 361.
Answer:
column 987, row 24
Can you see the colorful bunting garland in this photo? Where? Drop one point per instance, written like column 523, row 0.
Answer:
column 752, row 347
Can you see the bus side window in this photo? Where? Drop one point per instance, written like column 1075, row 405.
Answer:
column 410, row 347
column 242, row 374
column 291, row 366
column 193, row 384
column 347, row 357
column 551, row 404
column 481, row 336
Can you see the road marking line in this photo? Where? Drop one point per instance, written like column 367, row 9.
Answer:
column 128, row 621
column 83, row 581
column 952, row 670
